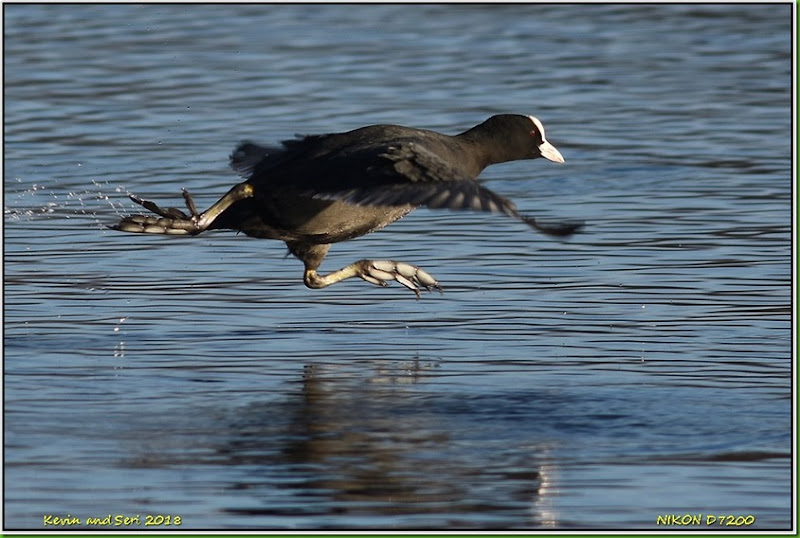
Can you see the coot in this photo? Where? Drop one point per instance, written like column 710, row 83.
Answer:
column 322, row 189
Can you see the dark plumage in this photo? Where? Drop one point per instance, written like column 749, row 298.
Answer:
column 322, row 189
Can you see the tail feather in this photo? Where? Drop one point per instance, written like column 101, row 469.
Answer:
column 247, row 155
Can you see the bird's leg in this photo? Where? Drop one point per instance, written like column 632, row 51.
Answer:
column 239, row 192
column 175, row 221
column 378, row 272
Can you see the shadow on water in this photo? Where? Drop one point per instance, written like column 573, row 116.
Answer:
column 406, row 444
column 369, row 446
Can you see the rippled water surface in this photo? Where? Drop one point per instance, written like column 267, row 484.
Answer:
column 638, row 370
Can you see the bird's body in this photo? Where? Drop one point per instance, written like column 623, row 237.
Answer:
column 322, row 189
column 310, row 220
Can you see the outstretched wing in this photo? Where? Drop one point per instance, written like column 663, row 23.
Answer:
column 405, row 172
column 440, row 195
column 401, row 172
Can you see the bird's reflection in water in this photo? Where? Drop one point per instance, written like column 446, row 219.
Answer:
column 364, row 448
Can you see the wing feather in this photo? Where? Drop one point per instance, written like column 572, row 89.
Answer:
column 398, row 173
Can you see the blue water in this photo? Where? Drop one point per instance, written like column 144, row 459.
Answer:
column 637, row 370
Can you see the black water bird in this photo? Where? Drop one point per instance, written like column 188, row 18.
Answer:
column 321, row 189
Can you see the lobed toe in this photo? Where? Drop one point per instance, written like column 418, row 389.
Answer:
column 380, row 272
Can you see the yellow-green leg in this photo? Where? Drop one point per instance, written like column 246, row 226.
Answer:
column 174, row 221
column 378, row 272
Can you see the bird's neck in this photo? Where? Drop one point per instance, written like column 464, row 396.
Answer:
column 480, row 152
